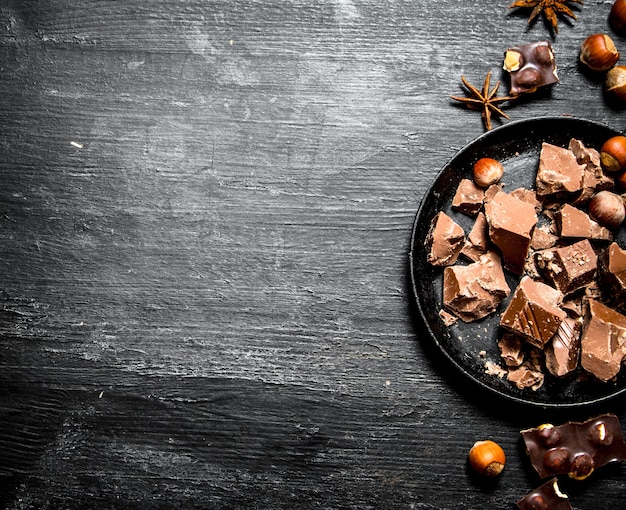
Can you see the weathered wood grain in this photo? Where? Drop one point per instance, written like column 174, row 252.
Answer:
column 205, row 211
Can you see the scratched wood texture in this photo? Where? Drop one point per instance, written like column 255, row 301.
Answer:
column 205, row 212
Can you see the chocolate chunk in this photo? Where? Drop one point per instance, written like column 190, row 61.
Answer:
column 474, row 291
column 530, row 66
column 511, row 222
column 558, row 171
column 477, row 242
column 444, row 240
column 574, row 223
column 526, row 377
column 612, row 266
column 603, row 341
column 563, row 351
column 534, row 312
column 546, row 497
column 511, row 350
column 569, row 268
column 575, row 448
column 594, row 179
column 468, row 198
column 543, row 238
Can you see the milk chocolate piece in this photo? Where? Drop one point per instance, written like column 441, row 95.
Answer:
column 563, row 351
column 558, row 171
column 546, row 497
column 569, row 268
column 526, row 376
column 444, row 240
column 534, row 311
column 468, row 198
column 477, row 242
column 575, row 448
column 612, row 264
column 511, row 350
column 511, row 222
column 603, row 341
column 574, row 223
column 543, row 238
column 530, row 66
column 474, row 291
column 594, row 179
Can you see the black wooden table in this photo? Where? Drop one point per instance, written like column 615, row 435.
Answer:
column 205, row 215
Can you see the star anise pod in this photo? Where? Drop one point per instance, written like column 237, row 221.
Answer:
column 485, row 99
column 550, row 8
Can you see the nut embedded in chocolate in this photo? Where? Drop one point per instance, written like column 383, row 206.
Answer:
column 546, row 497
column 530, row 66
column 575, row 448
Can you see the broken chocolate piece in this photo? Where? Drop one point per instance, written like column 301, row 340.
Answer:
column 511, row 349
column 474, row 291
column 444, row 240
column 612, row 264
column 546, row 497
column 574, row 223
column 468, row 198
column 525, row 376
column 563, row 351
column 594, row 179
column 543, row 238
column 558, row 171
column 511, row 222
column 530, row 66
column 534, row 312
column 603, row 341
column 569, row 268
column 477, row 242
column 575, row 448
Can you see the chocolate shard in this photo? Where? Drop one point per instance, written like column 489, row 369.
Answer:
column 530, row 66
column 477, row 242
column 468, row 198
column 526, row 376
column 511, row 349
column 569, row 268
column 594, row 179
column 612, row 267
column 511, row 222
column 534, row 312
column 558, row 171
column 603, row 341
column 546, row 497
column 543, row 238
column 474, row 291
column 574, row 223
column 575, row 449
column 444, row 240
column 563, row 351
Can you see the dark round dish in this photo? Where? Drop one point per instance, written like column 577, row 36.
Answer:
column 517, row 146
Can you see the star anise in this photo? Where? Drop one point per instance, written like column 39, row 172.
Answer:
column 550, row 8
column 485, row 99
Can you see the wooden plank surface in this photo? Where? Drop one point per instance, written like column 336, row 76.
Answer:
column 205, row 212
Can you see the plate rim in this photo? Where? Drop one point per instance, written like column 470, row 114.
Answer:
column 412, row 262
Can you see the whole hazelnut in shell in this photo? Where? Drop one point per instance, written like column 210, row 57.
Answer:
column 615, row 82
column 613, row 154
column 617, row 16
column 598, row 52
column 487, row 458
column 607, row 208
column 487, row 171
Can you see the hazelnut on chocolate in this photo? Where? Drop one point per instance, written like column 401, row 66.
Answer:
column 530, row 66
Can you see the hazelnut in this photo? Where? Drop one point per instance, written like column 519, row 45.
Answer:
column 598, row 52
column 487, row 171
column 581, row 467
column 556, row 459
column 607, row 208
column 548, row 434
column 617, row 16
column 487, row 458
column 599, row 435
column 613, row 154
column 615, row 82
